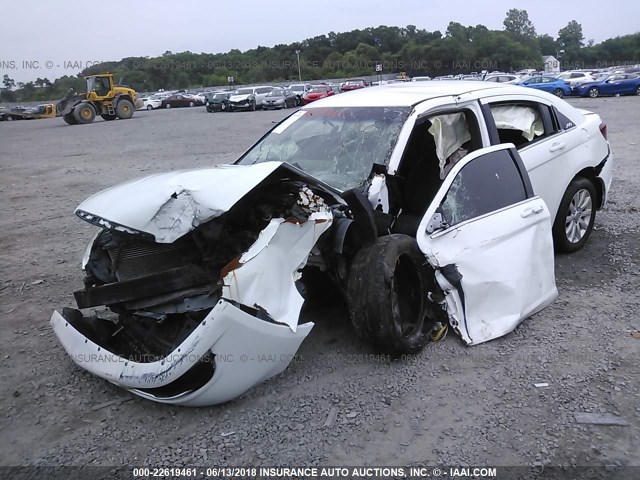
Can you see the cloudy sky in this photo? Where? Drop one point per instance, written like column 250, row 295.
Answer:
column 45, row 38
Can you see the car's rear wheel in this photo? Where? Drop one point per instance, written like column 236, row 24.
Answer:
column 638, row 91
column 576, row 216
column 149, row 107
column 168, row 105
column 386, row 295
column 594, row 92
column 558, row 93
column 191, row 104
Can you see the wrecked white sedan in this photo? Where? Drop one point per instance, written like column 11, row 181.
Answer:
column 423, row 203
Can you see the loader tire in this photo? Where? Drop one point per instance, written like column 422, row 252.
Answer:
column 124, row 109
column 107, row 117
column 386, row 296
column 84, row 113
column 70, row 119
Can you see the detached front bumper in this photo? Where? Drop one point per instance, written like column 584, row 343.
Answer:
column 246, row 351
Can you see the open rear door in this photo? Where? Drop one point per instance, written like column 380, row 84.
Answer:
column 489, row 238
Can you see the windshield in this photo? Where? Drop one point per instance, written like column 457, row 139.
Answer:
column 318, row 89
column 276, row 93
column 336, row 145
column 297, row 88
column 244, row 91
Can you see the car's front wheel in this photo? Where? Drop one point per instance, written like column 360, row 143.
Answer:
column 594, row 92
column 576, row 216
column 149, row 107
column 386, row 295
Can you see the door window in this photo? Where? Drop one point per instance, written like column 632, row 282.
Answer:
column 519, row 123
column 486, row 184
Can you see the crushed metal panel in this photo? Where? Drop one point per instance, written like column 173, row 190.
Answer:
column 169, row 205
column 269, row 269
column 247, row 351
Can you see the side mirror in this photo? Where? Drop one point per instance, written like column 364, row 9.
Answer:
column 436, row 223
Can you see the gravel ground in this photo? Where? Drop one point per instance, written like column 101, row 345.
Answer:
column 450, row 405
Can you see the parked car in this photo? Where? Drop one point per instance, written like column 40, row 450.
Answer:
column 616, row 84
column 502, row 78
column 280, row 98
column 420, row 79
column 249, row 98
column 150, row 103
column 219, row 102
column 300, row 89
column 576, row 78
column 316, row 93
column 546, row 83
column 352, row 84
column 179, row 100
column 438, row 203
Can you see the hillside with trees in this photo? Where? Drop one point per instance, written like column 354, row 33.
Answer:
column 415, row 51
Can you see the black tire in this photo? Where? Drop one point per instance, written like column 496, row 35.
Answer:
column 223, row 107
column 168, row 105
column 84, row 113
column 253, row 107
column 558, row 93
column 149, row 107
column 386, row 295
column 70, row 119
column 594, row 92
column 638, row 91
column 565, row 236
column 108, row 117
column 124, row 109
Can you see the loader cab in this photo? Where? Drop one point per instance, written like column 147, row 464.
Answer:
column 100, row 85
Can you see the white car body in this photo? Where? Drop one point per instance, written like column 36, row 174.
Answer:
column 576, row 78
column 240, row 100
column 150, row 103
column 484, row 296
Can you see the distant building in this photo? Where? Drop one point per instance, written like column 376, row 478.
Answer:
column 551, row 64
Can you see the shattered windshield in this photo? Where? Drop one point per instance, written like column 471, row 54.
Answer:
column 336, row 145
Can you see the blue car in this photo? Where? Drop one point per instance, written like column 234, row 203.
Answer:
column 550, row 84
column 614, row 84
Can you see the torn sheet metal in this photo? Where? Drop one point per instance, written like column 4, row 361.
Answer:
column 449, row 132
column 169, row 205
column 268, row 271
column 379, row 193
column 518, row 117
column 247, row 351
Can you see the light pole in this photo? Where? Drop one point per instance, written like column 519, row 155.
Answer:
column 299, row 74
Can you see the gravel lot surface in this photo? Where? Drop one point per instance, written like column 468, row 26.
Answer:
column 450, row 405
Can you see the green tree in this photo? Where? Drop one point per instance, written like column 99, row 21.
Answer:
column 571, row 37
column 517, row 24
column 7, row 82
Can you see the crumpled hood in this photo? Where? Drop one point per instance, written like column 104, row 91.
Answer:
column 169, row 205
column 239, row 98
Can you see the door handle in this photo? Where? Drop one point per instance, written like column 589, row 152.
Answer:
column 533, row 210
column 556, row 146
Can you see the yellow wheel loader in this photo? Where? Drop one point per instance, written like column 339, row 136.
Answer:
column 101, row 98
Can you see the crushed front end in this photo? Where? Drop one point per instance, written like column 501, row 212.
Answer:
column 202, row 302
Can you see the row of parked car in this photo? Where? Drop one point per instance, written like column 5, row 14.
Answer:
column 267, row 97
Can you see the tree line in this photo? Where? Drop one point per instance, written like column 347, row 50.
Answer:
column 414, row 51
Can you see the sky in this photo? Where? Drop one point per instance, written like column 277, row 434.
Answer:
column 53, row 38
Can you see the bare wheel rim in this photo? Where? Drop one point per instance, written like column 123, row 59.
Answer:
column 578, row 216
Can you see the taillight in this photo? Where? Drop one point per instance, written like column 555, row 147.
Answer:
column 603, row 130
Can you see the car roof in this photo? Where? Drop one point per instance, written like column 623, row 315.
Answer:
column 411, row 93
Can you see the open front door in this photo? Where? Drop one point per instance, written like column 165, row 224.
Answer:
column 489, row 238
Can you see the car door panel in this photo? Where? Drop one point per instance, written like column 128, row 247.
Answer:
column 495, row 268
